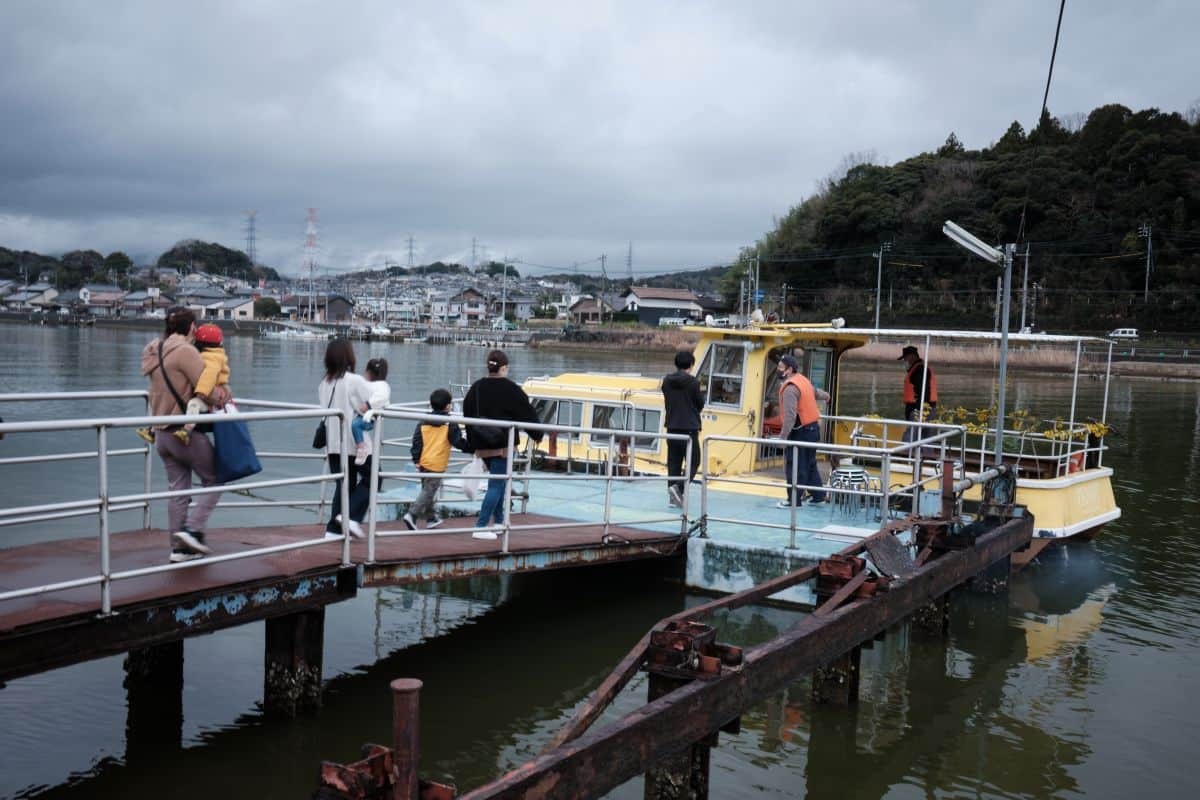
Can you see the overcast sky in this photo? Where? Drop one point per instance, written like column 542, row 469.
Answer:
column 550, row 131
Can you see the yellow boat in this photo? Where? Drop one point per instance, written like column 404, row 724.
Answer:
column 1061, row 478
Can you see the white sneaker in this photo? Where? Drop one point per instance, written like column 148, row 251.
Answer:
column 484, row 533
column 355, row 529
column 785, row 504
column 360, row 454
column 409, row 522
column 675, row 497
column 433, row 522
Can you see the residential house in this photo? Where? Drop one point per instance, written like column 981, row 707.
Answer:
column 652, row 303
column 588, row 310
column 516, row 306
column 201, row 300
column 146, row 301
column 102, row 299
column 236, row 308
column 471, row 306
column 33, row 296
column 325, row 307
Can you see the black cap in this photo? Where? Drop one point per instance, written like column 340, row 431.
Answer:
column 908, row 350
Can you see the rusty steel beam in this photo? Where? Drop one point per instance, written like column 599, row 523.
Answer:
column 383, row 573
column 586, row 714
column 601, row 760
column 41, row 647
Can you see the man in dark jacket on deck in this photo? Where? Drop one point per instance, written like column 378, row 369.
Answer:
column 683, row 400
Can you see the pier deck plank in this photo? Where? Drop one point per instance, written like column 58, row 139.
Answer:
column 51, row 562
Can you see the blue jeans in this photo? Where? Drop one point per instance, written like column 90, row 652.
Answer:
column 493, row 501
column 807, row 473
column 357, row 426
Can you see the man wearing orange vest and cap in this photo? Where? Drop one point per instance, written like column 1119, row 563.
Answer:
column 919, row 382
column 801, row 422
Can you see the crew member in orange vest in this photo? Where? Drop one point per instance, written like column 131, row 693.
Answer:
column 801, row 422
column 919, row 382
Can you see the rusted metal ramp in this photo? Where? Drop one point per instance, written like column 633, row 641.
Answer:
column 64, row 627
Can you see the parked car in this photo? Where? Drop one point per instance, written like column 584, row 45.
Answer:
column 1123, row 333
column 501, row 324
column 672, row 322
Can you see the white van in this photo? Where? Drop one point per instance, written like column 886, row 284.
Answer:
column 672, row 322
column 1123, row 333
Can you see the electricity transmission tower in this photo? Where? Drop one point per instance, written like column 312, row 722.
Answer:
column 310, row 256
column 251, row 240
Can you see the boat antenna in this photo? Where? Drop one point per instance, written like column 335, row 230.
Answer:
column 1044, row 112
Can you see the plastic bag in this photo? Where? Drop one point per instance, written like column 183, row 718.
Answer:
column 474, row 476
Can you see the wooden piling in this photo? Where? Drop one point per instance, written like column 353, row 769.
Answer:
column 154, row 691
column 293, row 659
column 682, row 775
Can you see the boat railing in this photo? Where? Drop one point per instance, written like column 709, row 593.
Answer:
column 1051, row 448
column 925, row 458
column 104, row 504
column 518, row 470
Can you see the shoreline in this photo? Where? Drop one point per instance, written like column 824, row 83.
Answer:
column 1027, row 359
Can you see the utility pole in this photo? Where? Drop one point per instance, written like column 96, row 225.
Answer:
column 1024, row 287
column 629, row 263
column 604, row 284
column 1144, row 232
column 783, row 302
column 883, row 248
column 504, row 294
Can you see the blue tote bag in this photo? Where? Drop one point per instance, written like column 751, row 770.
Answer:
column 235, row 456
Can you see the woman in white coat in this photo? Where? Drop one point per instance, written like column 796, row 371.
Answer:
column 342, row 389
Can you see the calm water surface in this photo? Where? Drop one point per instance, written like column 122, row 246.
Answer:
column 1082, row 681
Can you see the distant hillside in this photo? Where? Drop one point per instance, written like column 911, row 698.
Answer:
column 78, row 267
column 192, row 255
column 1089, row 203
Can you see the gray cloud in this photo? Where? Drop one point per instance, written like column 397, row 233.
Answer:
column 551, row 132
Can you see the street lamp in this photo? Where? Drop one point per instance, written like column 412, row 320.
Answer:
column 969, row 241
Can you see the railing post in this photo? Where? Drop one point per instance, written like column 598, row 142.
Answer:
column 608, row 479
column 793, row 491
column 105, row 555
column 346, row 439
column 508, row 459
column 703, row 494
column 376, row 461
column 147, row 470
column 406, row 738
column 885, row 483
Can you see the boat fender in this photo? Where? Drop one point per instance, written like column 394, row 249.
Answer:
column 1075, row 463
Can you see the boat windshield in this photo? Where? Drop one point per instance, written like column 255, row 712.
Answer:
column 721, row 374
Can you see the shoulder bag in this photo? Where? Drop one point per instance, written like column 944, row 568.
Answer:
column 234, row 450
column 203, row 427
column 321, row 436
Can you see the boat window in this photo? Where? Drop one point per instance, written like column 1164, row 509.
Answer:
column 646, row 420
column 720, row 374
column 559, row 412
column 606, row 416
column 817, row 370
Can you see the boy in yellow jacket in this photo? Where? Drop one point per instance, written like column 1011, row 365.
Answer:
column 431, row 453
column 216, row 373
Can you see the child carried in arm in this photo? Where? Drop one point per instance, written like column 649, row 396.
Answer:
column 212, row 387
column 381, row 394
column 431, row 453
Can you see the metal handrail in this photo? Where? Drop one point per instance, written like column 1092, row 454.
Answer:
column 509, row 474
column 104, row 504
column 884, row 454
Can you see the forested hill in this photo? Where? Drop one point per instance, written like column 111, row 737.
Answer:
column 79, row 267
column 1095, row 199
